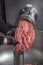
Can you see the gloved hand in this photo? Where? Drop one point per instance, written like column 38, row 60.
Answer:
column 11, row 32
column 24, row 34
column 11, row 41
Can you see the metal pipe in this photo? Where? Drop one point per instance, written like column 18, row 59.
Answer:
column 19, row 59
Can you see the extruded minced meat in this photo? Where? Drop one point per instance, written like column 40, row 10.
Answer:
column 27, row 64
column 25, row 35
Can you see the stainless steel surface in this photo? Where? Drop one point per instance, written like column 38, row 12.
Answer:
column 6, row 55
column 19, row 59
column 34, row 55
column 29, row 13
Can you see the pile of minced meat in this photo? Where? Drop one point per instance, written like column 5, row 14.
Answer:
column 24, row 34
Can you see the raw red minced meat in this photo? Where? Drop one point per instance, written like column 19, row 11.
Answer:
column 24, row 34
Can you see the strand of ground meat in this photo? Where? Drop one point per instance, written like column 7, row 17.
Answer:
column 25, row 35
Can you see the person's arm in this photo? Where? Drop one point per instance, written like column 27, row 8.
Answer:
column 4, row 27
